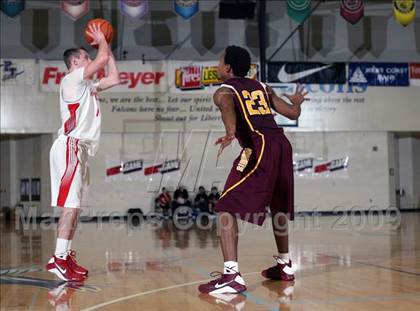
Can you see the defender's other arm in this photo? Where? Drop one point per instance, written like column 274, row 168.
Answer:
column 290, row 111
column 223, row 99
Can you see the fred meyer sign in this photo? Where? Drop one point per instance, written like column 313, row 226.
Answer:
column 134, row 76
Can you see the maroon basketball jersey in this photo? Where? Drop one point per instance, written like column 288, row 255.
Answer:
column 253, row 112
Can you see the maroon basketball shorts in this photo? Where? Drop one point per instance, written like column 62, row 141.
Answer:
column 261, row 176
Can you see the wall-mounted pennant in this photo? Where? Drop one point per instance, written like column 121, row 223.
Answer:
column 404, row 11
column 75, row 9
column 352, row 10
column 186, row 8
column 134, row 8
column 12, row 8
column 298, row 9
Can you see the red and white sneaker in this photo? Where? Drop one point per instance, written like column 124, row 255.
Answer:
column 225, row 284
column 281, row 271
column 61, row 268
column 71, row 261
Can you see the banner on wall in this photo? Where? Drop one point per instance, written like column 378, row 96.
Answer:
column 404, row 11
column 134, row 8
column 75, row 9
column 186, row 8
column 134, row 75
column 308, row 73
column 197, row 77
column 379, row 74
column 307, row 165
column 140, row 169
column 415, row 74
column 352, row 10
column 12, row 8
column 17, row 71
column 298, row 9
column 125, row 167
column 331, row 166
column 165, row 167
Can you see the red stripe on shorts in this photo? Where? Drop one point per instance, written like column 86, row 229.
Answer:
column 71, row 165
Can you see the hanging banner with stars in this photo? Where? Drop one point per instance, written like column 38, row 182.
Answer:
column 134, row 8
column 186, row 8
column 12, row 8
column 75, row 9
column 352, row 10
column 298, row 9
column 404, row 11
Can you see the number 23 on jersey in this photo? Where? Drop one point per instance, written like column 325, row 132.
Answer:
column 255, row 103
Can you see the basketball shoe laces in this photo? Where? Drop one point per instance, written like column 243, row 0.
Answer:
column 218, row 275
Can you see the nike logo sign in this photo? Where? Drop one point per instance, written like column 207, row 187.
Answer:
column 288, row 270
column 62, row 271
column 286, row 77
column 221, row 285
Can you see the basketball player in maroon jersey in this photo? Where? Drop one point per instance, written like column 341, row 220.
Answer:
column 261, row 176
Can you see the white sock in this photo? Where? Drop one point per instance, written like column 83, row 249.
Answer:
column 283, row 258
column 69, row 245
column 61, row 248
column 230, row 267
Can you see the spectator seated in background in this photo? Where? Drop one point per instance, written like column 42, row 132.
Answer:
column 163, row 201
column 214, row 197
column 201, row 201
column 180, row 198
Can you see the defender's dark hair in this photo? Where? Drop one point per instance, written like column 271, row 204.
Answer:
column 70, row 53
column 239, row 60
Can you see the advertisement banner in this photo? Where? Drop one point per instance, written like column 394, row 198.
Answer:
column 379, row 74
column 311, row 166
column 308, row 73
column 17, row 71
column 125, row 167
column 415, row 74
column 197, row 77
column 134, row 75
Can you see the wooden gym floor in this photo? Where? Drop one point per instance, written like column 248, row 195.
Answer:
column 343, row 263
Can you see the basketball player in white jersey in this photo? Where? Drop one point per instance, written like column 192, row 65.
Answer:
column 77, row 139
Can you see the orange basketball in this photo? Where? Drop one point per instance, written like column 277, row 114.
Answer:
column 106, row 28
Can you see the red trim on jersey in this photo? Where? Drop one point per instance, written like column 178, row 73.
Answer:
column 71, row 165
column 71, row 123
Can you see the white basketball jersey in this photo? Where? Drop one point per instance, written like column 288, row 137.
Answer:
column 80, row 111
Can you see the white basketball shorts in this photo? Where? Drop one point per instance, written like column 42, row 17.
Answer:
column 69, row 172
